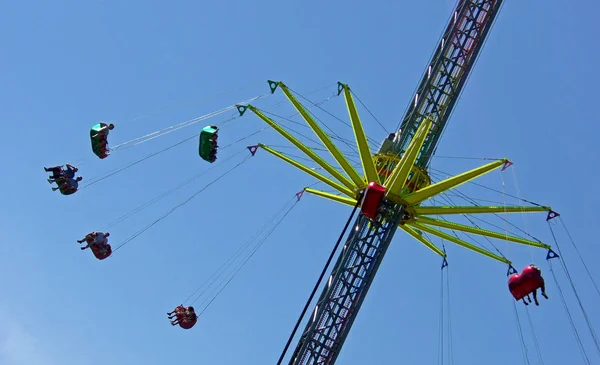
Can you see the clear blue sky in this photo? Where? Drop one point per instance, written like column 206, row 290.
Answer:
column 67, row 65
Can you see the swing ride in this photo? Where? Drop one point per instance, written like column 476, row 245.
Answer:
column 393, row 189
column 99, row 138
column 207, row 148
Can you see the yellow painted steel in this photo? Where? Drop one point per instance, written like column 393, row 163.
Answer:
column 302, row 147
column 397, row 179
column 308, row 170
column 385, row 163
column 366, row 156
column 479, row 231
column 337, row 198
column 331, row 147
column 422, row 239
column 476, row 210
column 450, row 183
column 458, row 241
column 406, row 183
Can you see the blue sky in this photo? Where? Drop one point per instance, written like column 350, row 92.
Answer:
column 149, row 65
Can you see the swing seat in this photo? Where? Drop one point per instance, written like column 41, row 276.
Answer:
column 185, row 320
column 521, row 285
column 101, row 254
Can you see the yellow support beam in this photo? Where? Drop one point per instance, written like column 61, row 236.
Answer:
column 308, row 170
column 302, row 147
column 460, row 242
column 476, row 210
column 479, row 231
column 396, row 181
column 366, row 156
column 451, row 183
column 422, row 239
column 331, row 147
column 336, row 198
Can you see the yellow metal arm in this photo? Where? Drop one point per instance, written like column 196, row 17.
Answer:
column 331, row 147
column 337, row 198
column 310, row 171
column 361, row 139
column 460, row 242
column 422, row 239
column 302, row 147
column 479, row 231
column 475, row 210
column 398, row 178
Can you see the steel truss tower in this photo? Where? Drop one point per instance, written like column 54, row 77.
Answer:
column 365, row 248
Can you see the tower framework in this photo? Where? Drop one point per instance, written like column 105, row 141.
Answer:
column 397, row 172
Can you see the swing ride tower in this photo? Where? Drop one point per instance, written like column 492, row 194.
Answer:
column 395, row 182
column 365, row 248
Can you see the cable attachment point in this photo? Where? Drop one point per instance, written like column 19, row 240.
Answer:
column 551, row 254
column 273, row 85
column 252, row 149
column 511, row 270
column 444, row 263
column 299, row 194
column 241, row 109
column 551, row 215
column 506, row 165
column 341, row 87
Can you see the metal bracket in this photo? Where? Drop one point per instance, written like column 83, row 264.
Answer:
column 273, row 85
column 511, row 270
column 241, row 109
column 551, row 215
column 551, row 254
column 253, row 150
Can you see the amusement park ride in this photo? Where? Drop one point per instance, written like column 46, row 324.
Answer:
column 394, row 184
column 388, row 194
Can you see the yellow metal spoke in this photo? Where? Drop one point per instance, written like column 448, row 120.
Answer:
column 416, row 235
column 331, row 147
column 476, row 210
column 366, row 156
column 458, row 241
column 478, row 231
column 302, row 147
column 310, row 171
column 337, row 198
column 397, row 179
column 450, row 183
